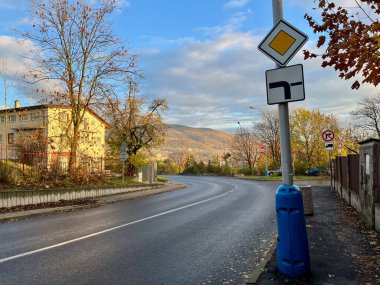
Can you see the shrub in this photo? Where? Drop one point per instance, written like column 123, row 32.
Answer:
column 162, row 179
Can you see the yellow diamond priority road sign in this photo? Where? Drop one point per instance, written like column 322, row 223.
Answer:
column 282, row 42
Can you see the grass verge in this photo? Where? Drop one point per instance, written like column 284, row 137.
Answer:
column 279, row 178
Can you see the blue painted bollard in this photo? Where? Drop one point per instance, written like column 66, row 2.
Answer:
column 292, row 246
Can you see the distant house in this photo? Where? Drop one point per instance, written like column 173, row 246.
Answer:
column 52, row 122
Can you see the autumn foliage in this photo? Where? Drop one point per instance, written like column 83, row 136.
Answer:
column 350, row 40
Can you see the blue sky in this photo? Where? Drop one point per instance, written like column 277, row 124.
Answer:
column 201, row 55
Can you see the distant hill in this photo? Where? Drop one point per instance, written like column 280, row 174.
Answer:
column 203, row 143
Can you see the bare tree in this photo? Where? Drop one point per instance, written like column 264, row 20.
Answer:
column 245, row 148
column 349, row 138
column 74, row 48
column 268, row 132
column 367, row 116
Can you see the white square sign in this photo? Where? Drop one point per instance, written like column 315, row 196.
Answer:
column 285, row 84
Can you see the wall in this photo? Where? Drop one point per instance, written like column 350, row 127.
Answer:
column 369, row 162
column 346, row 178
column 49, row 118
column 19, row 198
column 377, row 217
column 357, row 178
column 27, row 120
column 91, row 141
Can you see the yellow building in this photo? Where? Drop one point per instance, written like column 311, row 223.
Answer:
column 50, row 126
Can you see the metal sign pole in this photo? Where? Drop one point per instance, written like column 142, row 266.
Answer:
column 286, row 159
column 331, row 178
column 122, row 175
column 266, row 160
column 292, row 245
column 283, row 112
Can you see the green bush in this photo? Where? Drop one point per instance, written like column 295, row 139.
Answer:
column 162, row 179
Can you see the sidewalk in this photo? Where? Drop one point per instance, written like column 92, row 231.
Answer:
column 94, row 202
column 342, row 249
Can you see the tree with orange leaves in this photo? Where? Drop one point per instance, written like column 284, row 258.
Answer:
column 349, row 38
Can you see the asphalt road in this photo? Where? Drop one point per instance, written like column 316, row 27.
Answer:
column 213, row 232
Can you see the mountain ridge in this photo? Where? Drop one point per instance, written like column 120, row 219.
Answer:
column 202, row 143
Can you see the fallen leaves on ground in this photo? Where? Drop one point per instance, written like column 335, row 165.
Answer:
column 60, row 203
column 363, row 243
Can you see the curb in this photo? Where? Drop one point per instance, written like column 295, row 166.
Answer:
column 101, row 201
column 42, row 212
column 260, row 268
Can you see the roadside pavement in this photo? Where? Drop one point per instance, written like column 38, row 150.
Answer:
column 92, row 202
column 343, row 250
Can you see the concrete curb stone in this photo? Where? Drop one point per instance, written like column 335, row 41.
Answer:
column 14, row 216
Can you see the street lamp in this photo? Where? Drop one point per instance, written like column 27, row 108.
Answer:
column 259, row 109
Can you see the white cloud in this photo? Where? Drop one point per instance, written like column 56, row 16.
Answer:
column 24, row 21
column 213, row 82
column 350, row 5
column 123, row 3
column 236, row 3
column 306, row 4
column 11, row 4
column 208, row 81
column 13, row 58
column 13, row 63
column 234, row 23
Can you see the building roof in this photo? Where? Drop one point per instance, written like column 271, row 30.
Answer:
column 369, row 140
column 47, row 106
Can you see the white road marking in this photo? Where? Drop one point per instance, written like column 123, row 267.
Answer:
column 111, row 229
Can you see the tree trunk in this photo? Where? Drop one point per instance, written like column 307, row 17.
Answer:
column 73, row 158
column 74, row 149
column 250, row 168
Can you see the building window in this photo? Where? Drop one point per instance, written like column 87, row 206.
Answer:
column 63, row 139
column 2, row 119
column 86, row 123
column 1, row 139
column 63, row 117
column 34, row 116
column 84, row 138
column 23, row 117
column 12, row 118
column 11, row 138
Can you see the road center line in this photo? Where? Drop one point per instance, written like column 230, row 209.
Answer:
column 112, row 229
